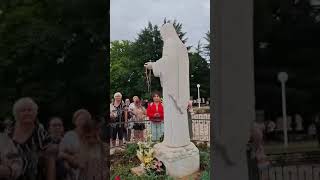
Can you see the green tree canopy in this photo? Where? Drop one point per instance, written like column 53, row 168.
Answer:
column 54, row 54
column 128, row 58
column 199, row 74
column 207, row 46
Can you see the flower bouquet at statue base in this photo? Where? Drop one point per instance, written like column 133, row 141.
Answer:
column 149, row 163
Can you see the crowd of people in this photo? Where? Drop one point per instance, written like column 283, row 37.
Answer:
column 29, row 151
column 297, row 129
column 128, row 118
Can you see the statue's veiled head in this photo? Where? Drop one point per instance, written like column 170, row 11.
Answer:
column 168, row 31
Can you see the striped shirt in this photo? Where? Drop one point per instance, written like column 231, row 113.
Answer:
column 30, row 152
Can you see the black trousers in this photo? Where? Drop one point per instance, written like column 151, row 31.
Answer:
column 118, row 130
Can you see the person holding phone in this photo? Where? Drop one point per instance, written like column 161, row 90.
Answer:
column 119, row 117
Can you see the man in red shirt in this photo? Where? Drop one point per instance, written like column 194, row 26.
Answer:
column 155, row 114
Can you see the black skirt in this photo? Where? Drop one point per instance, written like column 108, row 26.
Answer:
column 139, row 126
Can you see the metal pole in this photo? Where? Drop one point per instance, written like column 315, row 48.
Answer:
column 190, row 124
column 284, row 113
column 198, row 96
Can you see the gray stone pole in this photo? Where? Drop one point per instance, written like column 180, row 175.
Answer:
column 233, row 87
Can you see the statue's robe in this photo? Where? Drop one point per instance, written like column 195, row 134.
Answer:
column 173, row 71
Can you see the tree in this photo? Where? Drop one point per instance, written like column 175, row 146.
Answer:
column 199, row 48
column 127, row 60
column 147, row 47
column 199, row 74
column 207, row 46
column 55, row 54
column 119, row 69
column 286, row 39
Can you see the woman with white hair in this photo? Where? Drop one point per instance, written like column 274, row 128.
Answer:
column 31, row 140
column 119, row 117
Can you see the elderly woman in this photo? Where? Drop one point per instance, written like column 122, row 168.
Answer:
column 92, row 155
column 119, row 116
column 256, row 139
column 10, row 161
column 31, row 140
column 139, row 114
column 70, row 144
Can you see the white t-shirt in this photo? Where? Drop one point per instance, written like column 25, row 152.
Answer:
column 70, row 142
column 112, row 109
column 131, row 107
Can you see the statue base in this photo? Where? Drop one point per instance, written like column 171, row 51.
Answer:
column 179, row 161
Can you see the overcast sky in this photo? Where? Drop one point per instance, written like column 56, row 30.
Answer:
column 129, row 17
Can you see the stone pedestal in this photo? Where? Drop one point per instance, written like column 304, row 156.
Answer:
column 180, row 161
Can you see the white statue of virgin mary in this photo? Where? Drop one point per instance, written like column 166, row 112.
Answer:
column 173, row 71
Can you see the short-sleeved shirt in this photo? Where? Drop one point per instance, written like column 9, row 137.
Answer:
column 30, row 152
column 120, row 113
column 70, row 142
column 131, row 107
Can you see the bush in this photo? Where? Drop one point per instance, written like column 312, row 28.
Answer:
column 122, row 170
column 205, row 175
column 203, row 147
column 131, row 151
column 155, row 177
column 128, row 159
column 204, row 160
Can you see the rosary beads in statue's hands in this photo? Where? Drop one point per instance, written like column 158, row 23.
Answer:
column 148, row 65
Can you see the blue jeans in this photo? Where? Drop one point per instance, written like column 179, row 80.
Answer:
column 157, row 130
